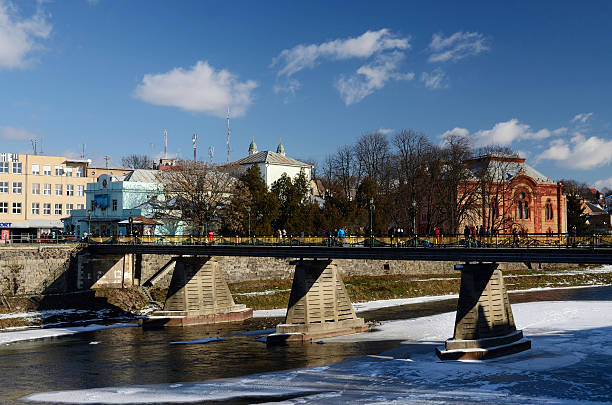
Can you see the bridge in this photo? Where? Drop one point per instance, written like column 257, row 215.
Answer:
column 319, row 305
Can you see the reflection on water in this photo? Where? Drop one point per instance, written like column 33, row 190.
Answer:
column 133, row 356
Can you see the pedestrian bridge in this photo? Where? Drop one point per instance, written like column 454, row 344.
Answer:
column 319, row 305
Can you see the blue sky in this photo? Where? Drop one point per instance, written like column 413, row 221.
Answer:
column 115, row 74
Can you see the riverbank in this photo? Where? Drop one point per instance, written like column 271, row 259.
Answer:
column 270, row 297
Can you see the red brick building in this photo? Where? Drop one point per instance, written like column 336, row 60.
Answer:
column 510, row 194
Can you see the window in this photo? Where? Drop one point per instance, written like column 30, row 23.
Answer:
column 78, row 171
column 35, row 188
column 80, row 191
column 80, row 207
column 35, row 169
column 59, row 170
column 17, row 186
column 58, row 209
column 46, row 209
column 548, row 211
column 4, row 167
column 17, row 168
column 58, row 189
column 47, row 189
column 69, row 189
column 47, row 170
column 3, row 208
column 69, row 209
column 522, row 207
column 69, row 171
column 16, row 208
column 4, row 186
column 114, row 205
column 35, row 208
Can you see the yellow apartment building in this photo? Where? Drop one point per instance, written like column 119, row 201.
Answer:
column 36, row 191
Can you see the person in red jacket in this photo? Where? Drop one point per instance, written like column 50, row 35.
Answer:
column 436, row 233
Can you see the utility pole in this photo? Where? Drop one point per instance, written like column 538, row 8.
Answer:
column 165, row 144
column 228, row 135
column 194, row 139
column 211, row 153
column 106, row 159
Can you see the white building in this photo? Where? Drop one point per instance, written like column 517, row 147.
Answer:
column 273, row 165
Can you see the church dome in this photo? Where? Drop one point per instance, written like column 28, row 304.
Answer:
column 280, row 149
column 252, row 147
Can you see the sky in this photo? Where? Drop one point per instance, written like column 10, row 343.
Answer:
column 112, row 75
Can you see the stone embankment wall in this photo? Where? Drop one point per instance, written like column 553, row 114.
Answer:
column 37, row 269
column 56, row 269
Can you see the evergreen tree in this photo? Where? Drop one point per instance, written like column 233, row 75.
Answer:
column 264, row 205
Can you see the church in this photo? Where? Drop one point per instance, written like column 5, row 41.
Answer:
column 272, row 165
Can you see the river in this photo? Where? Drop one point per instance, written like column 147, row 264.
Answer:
column 133, row 356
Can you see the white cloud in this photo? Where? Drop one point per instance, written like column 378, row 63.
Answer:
column 301, row 57
column 505, row 133
column 200, row 88
column 371, row 77
column 457, row 131
column 20, row 36
column 287, row 87
column 16, row 134
column 580, row 152
column 604, row 183
column 384, row 131
column 437, row 79
column 457, row 46
column 582, row 118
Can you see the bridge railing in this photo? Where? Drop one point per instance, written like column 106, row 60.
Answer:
column 426, row 241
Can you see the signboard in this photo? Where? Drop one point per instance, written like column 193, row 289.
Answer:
column 6, row 234
column 101, row 200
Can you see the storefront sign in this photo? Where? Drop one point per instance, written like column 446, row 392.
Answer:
column 5, row 224
column 6, row 234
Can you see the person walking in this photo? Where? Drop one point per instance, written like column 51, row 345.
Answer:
column 436, row 233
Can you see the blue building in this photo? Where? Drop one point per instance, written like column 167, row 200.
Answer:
column 112, row 201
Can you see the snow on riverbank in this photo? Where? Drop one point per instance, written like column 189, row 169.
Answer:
column 568, row 364
column 32, row 334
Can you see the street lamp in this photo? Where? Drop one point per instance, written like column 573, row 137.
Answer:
column 206, row 219
column 249, row 212
column 414, row 213
column 88, row 223
column 371, row 220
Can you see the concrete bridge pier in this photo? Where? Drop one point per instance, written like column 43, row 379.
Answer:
column 484, row 325
column 198, row 294
column 319, row 305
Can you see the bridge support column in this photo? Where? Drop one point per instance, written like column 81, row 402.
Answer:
column 198, row 294
column 484, row 325
column 319, row 305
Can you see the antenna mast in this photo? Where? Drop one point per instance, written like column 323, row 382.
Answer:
column 211, row 153
column 106, row 159
column 83, row 152
column 165, row 144
column 228, row 135
column 194, row 139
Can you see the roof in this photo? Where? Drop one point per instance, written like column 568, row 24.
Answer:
column 272, row 158
column 511, row 168
column 141, row 220
column 594, row 208
column 142, row 176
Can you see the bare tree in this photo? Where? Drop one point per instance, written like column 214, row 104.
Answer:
column 195, row 193
column 137, row 162
column 343, row 169
column 372, row 153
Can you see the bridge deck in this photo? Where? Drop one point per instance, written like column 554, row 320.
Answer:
column 578, row 255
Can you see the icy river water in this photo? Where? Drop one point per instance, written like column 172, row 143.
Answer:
column 133, row 356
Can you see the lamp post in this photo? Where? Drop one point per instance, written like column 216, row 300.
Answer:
column 206, row 219
column 249, row 212
column 88, row 223
column 414, row 215
column 371, row 220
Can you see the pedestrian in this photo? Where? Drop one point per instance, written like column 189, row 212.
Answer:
column 466, row 235
column 284, row 233
column 436, row 233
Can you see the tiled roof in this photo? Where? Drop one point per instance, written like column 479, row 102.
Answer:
column 272, row 158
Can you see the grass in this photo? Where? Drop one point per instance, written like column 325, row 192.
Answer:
column 370, row 288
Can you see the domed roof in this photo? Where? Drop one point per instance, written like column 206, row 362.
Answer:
column 252, row 147
column 280, row 149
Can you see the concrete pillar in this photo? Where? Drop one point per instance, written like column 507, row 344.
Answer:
column 198, row 294
column 319, row 305
column 484, row 325
column 114, row 271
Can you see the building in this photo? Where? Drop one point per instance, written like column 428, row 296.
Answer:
column 272, row 165
column 36, row 191
column 112, row 201
column 513, row 195
column 95, row 172
column 598, row 219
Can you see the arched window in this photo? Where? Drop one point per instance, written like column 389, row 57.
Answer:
column 548, row 211
column 522, row 207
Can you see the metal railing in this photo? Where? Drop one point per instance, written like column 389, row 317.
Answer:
column 425, row 241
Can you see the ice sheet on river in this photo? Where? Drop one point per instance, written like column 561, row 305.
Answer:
column 569, row 363
column 31, row 334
